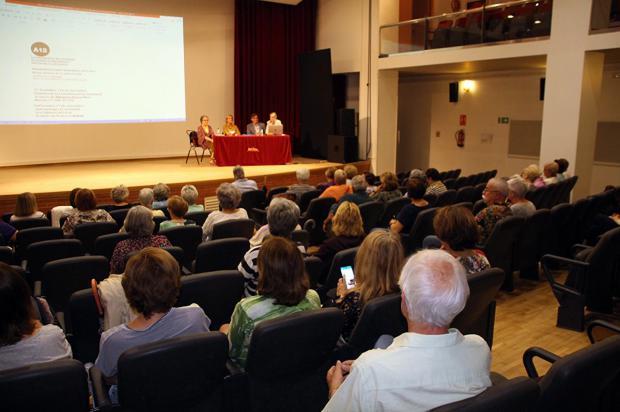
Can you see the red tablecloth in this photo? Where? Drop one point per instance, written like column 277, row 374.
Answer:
column 252, row 150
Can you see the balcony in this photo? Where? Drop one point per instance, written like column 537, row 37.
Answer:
column 508, row 21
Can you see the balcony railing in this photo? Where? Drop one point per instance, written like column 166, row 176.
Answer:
column 511, row 20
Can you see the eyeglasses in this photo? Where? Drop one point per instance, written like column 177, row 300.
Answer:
column 487, row 190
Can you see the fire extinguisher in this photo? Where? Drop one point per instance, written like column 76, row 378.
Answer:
column 459, row 136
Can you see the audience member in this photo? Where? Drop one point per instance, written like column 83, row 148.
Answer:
column 263, row 232
column 189, row 193
column 550, row 172
column 358, row 196
column 230, row 128
column 427, row 366
column 377, row 266
column 24, row 340
column 350, row 171
column 161, row 191
column 435, row 186
column 347, row 232
column 7, row 233
column 119, row 195
column 388, row 190
column 329, row 176
column 146, row 199
column 26, row 207
column 562, row 169
column 139, row 226
column 177, row 207
column 255, row 126
column 532, row 177
column 241, row 182
column 229, row 197
column 416, row 188
column 417, row 174
column 302, row 186
column 370, row 183
column 494, row 195
column 519, row 205
column 339, row 188
column 458, row 234
column 283, row 288
column 86, row 211
column 282, row 218
column 152, row 283
column 59, row 212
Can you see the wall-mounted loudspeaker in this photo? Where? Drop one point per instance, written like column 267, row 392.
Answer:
column 541, row 89
column 454, row 92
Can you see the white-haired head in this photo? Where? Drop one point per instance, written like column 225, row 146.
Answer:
column 303, row 175
column 434, row 286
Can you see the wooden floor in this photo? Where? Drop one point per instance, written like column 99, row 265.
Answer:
column 526, row 318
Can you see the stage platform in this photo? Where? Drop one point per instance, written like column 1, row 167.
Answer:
column 52, row 183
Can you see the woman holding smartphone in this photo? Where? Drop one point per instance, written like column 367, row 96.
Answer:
column 377, row 267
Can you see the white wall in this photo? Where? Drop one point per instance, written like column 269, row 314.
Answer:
column 209, row 85
column 424, row 110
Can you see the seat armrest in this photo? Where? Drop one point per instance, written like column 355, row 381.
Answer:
column 610, row 327
column 309, row 225
column 578, row 247
column 536, row 352
column 546, row 259
column 100, row 388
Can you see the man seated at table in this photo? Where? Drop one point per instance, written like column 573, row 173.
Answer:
column 255, row 127
column 273, row 121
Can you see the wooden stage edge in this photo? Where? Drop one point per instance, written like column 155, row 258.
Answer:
column 52, row 183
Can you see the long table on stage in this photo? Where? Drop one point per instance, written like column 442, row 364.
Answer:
column 252, row 150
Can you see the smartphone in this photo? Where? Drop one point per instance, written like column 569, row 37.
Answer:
column 348, row 276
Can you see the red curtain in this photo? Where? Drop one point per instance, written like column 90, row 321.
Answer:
column 268, row 40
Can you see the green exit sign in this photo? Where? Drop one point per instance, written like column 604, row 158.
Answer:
column 503, row 120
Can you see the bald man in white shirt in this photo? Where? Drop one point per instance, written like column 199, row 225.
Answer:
column 428, row 366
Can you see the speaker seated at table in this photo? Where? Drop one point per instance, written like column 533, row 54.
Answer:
column 274, row 125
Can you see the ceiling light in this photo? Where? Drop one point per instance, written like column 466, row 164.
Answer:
column 537, row 21
column 510, row 16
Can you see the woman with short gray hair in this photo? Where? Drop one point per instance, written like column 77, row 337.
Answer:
column 189, row 193
column 229, row 198
column 146, row 199
column 139, row 225
column 119, row 196
column 161, row 191
column 519, row 205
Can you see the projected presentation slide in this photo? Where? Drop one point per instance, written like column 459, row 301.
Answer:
column 64, row 65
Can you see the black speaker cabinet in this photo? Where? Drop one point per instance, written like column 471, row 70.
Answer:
column 454, row 92
column 341, row 149
column 345, row 122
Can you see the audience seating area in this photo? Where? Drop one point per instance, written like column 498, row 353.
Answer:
column 289, row 356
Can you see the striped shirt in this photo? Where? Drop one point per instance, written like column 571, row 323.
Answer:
column 251, row 311
column 249, row 269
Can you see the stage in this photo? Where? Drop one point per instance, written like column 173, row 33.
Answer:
column 52, row 183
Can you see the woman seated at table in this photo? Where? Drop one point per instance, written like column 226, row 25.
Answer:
column 230, row 128
column 205, row 133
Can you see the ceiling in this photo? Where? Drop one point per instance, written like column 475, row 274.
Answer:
column 530, row 63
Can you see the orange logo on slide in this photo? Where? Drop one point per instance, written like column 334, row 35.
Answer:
column 40, row 49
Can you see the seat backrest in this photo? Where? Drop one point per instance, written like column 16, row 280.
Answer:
column 221, row 254
column 186, row 237
column 514, row 395
column 35, row 234
column 345, row 257
column 174, row 374
column 534, row 238
column 198, row 217
column 119, row 216
column 478, row 206
column 50, row 386
column 371, row 213
column 578, row 381
column 6, row 254
column 88, row 232
column 275, row 191
column 40, row 253
column 318, row 209
column 105, row 244
column 301, row 237
column 466, row 194
column 314, row 268
column 501, row 244
column 422, row 227
column 82, row 323
column 30, row 222
column 392, row 207
column 306, row 198
column 561, row 231
column 380, row 316
column 478, row 316
column 252, row 199
column 60, row 278
column 157, row 220
column 446, row 198
column 293, row 345
column 604, row 266
column 233, row 228
column 216, row 293
column 449, row 183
